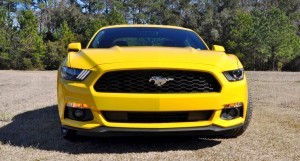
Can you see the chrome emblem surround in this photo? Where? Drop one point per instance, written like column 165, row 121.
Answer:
column 159, row 80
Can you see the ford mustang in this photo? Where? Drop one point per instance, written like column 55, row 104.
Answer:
column 148, row 80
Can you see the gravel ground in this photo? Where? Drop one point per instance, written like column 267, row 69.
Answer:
column 29, row 126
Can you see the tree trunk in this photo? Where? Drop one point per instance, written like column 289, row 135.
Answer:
column 273, row 58
column 254, row 62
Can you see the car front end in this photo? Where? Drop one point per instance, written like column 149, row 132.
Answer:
column 151, row 90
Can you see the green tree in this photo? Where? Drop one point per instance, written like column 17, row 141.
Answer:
column 56, row 51
column 242, row 39
column 91, row 6
column 114, row 17
column 7, row 32
column 263, row 33
column 30, row 43
column 275, row 36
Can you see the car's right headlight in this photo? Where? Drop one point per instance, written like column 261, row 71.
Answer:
column 74, row 74
column 234, row 75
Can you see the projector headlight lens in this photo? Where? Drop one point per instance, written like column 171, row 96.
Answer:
column 74, row 74
column 234, row 75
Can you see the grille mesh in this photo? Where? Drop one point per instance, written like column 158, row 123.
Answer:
column 137, row 81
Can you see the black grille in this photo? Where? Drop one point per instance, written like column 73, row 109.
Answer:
column 156, row 117
column 137, row 81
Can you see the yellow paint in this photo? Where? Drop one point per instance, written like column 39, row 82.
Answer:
column 74, row 47
column 100, row 61
column 218, row 48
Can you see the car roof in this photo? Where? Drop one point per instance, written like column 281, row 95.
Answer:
column 146, row 25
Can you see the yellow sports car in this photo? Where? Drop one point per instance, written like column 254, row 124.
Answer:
column 151, row 79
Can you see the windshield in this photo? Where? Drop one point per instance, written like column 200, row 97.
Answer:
column 147, row 36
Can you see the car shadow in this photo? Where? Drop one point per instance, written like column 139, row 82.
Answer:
column 41, row 129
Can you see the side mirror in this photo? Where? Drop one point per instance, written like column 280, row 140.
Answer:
column 75, row 47
column 218, row 48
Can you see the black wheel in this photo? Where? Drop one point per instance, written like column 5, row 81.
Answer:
column 68, row 134
column 233, row 133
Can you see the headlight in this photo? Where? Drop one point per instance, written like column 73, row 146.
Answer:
column 74, row 74
column 234, row 75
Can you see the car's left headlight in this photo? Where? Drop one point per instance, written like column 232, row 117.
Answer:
column 234, row 75
column 74, row 74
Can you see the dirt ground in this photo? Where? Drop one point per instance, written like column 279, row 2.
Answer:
column 29, row 126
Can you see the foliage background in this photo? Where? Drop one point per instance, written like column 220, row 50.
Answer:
column 265, row 34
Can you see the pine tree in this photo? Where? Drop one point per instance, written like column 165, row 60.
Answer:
column 275, row 35
column 30, row 43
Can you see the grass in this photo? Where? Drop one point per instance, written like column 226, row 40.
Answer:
column 29, row 126
column 5, row 117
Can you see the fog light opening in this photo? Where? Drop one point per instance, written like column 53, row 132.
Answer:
column 78, row 113
column 73, row 112
column 232, row 111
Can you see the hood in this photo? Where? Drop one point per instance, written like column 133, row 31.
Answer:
column 90, row 58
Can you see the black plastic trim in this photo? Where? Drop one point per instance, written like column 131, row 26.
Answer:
column 113, row 131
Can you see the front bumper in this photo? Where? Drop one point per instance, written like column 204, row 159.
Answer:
column 83, row 92
column 112, row 131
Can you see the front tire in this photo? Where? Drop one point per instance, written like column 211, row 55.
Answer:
column 68, row 134
column 233, row 133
